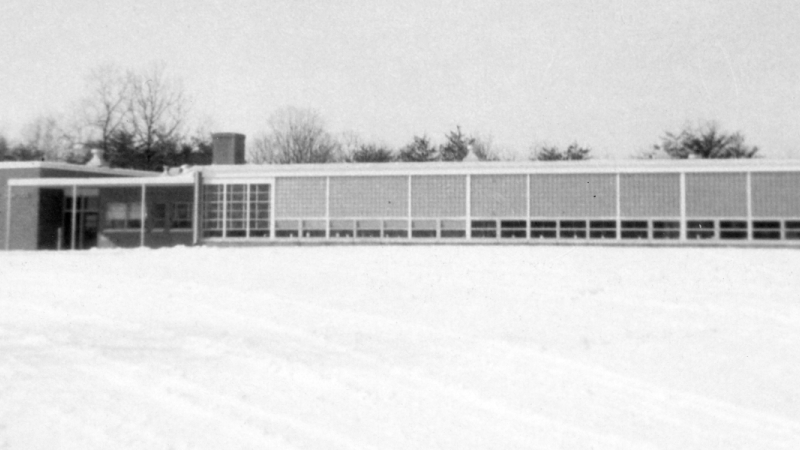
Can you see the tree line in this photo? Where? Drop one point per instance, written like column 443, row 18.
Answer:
column 299, row 136
column 139, row 118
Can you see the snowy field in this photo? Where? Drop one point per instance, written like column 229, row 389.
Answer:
column 386, row 347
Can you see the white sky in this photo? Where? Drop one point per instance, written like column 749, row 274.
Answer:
column 613, row 74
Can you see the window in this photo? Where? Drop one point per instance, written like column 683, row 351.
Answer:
column 700, row 229
column 634, row 229
column 543, row 229
column 792, row 229
column 287, row 228
column 236, row 207
column 423, row 229
column 603, row 229
column 453, row 228
column 766, row 229
column 213, row 205
column 395, row 228
column 235, row 210
column 666, row 229
column 181, row 216
column 259, row 210
column 732, row 229
column 513, row 229
column 313, row 229
column 116, row 215
column 368, row 228
column 484, row 228
column 572, row 229
column 122, row 216
column 342, row 228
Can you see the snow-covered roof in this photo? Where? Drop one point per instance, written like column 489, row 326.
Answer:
column 88, row 170
column 590, row 166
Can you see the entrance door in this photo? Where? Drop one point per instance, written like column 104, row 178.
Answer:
column 87, row 220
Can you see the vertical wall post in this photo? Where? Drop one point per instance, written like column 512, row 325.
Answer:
column 196, row 210
column 528, row 207
column 273, row 207
column 81, row 224
column 143, row 215
column 327, row 207
column 247, row 209
column 469, row 207
column 619, row 208
column 74, row 217
column 683, row 206
column 225, row 211
column 749, row 206
column 8, row 217
column 409, row 206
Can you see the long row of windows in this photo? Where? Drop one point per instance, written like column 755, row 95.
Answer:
column 737, row 229
column 243, row 210
column 537, row 229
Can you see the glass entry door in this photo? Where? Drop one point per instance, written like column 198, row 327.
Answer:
column 87, row 220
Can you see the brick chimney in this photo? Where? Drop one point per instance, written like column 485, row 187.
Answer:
column 228, row 148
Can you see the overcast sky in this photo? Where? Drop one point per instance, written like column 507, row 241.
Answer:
column 612, row 75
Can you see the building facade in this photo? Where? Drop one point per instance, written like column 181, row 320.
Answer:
column 694, row 202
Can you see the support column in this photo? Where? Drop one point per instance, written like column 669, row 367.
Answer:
column 619, row 210
column 196, row 215
column 327, row 207
column 469, row 207
column 225, row 211
column 683, row 206
column 8, row 217
column 409, row 207
column 74, row 218
column 528, row 207
column 273, row 207
column 749, row 206
column 247, row 209
column 143, row 215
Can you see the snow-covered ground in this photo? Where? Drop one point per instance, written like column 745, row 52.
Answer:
column 387, row 347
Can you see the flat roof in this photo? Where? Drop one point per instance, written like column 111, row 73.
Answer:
column 185, row 179
column 502, row 167
column 76, row 168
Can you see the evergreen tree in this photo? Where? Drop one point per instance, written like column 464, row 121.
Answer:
column 419, row 150
column 371, row 153
column 704, row 142
column 573, row 153
column 457, row 146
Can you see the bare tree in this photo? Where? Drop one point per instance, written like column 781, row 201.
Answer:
column 107, row 106
column 158, row 107
column 483, row 149
column 296, row 136
column 46, row 135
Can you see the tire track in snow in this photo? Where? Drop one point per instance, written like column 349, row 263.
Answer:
column 740, row 419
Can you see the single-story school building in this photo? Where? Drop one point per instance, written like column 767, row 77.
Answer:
column 733, row 202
